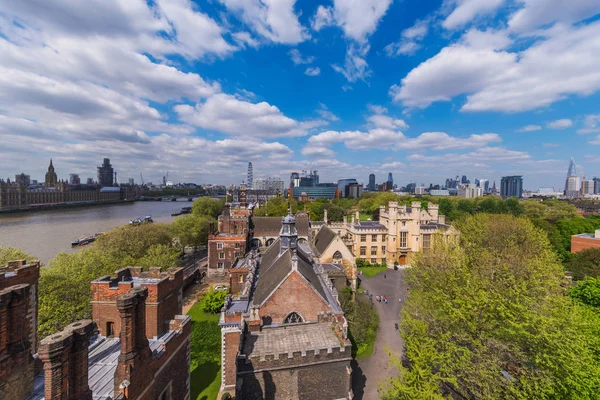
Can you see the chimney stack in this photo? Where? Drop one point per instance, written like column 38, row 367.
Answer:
column 65, row 357
column 135, row 349
column 325, row 216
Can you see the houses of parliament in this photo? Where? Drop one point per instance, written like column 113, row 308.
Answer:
column 18, row 195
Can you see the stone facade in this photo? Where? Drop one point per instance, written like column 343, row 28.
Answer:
column 400, row 232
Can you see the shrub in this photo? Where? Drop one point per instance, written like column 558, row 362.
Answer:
column 213, row 301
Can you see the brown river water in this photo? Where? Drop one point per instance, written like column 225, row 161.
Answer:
column 44, row 234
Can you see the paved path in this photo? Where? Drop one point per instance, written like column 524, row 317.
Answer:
column 368, row 372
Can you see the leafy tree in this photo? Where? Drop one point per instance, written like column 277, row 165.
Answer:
column 159, row 255
column 191, row 230
column 587, row 292
column 584, row 263
column 487, row 318
column 213, row 301
column 206, row 206
column 11, row 254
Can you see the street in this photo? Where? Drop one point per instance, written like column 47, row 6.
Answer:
column 368, row 372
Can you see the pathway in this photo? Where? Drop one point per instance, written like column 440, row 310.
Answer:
column 368, row 372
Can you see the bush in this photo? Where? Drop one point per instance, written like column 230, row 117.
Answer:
column 213, row 301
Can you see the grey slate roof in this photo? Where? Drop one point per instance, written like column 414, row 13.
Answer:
column 324, row 239
column 274, row 268
column 270, row 226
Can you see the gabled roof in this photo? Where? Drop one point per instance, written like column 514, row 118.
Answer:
column 275, row 268
column 324, row 239
column 270, row 226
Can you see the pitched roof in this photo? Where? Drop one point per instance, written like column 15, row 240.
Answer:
column 270, row 226
column 274, row 268
column 324, row 239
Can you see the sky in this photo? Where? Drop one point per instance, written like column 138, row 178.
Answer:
column 424, row 89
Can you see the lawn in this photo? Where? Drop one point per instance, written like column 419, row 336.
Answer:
column 365, row 216
column 205, row 363
column 370, row 272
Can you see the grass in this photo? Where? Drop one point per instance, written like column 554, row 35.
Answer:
column 365, row 216
column 365, row 351
column 370, row 272
column 205, row 363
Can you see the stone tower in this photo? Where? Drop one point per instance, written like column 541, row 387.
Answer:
column 51, row 178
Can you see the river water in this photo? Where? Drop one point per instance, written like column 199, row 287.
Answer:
column 44, row 234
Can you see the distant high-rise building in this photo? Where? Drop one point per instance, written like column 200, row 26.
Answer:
column 294, row 179
column 411, row 187
column 390, row 179
column 90, row 181
column 343, row 183
column 469, row 191
column 131, row 182
column 372, row 185
column 51, row 178
column 464, row 180
column 596, row 185
column 511, row 186
column 250, row 177
column 353, row 190
column 572, row 183
column 587, row 186
column 74, row 179
column 22, row 179
column 106, row 174
column 272, row 184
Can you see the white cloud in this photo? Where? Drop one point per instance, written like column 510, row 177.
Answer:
column 484, row 154
column 466, row 10
column 591, row 124
column 530, row 128
column 379, row 138
column 596, row 141
column 386, row 122
column 358, row 20
column 326, row 113
column 312, row 71
column 537, row 13
column 227, row 114
column 311, row 151
column 489, row 39
column 377, row 109
column 275, row 20
column 509, row 81
column 244, row 39
column 409, row 42
column 297, row 57
column 355, row 65
column 560, row 124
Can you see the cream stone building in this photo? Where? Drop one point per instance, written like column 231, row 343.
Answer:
column 400, row 232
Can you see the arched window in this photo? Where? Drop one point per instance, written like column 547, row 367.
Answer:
column 270, row 242
column 337, row 257
column 256, row 243
column 293, row 318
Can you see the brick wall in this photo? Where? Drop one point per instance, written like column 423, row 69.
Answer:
column 229, row 251
column 294, row 294
column 16, row 362
column 237, row 279
column 579, row 243
column 28, row 274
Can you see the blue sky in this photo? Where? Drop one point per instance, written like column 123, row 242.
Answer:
column 423, row 89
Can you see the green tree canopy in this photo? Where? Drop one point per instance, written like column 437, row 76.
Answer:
column 213, row 301
column 191, row 230
column 206, row 206
column 584, row 263
column 587, row 292
column 11, row 254
column 487, row 316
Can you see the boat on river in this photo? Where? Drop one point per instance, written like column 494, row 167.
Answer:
column 139, row 221
column 84, row 240
column 184, row 210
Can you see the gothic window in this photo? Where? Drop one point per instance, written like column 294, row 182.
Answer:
column 403, row 237
column 337, row 257
column 110, row 329
column 270, row 242
column 293, row 318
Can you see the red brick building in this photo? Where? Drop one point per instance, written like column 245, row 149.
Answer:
column 284, row 334
column 585, row 241
column 229, row 242
column 80, row 363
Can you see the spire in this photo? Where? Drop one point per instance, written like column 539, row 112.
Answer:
column 50, row 162
column 288, row 234
column 572, row 168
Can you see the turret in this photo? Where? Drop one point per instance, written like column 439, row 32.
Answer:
column 288, row 234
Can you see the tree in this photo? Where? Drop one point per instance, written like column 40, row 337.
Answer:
column 11, row 254
column 213, row 301
column 206, row 206
column 587, row 292
column 192, row 230
column 487, row 317
column 584, row 263
column 159, row 255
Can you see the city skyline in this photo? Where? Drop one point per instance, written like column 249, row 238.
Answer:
column 200, row 89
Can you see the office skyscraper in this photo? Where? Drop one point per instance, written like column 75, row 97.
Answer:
column 250, row 178
column 372, row 186
column 572, row 183
column 106, row 173
column 511, row 186
column 390, row 179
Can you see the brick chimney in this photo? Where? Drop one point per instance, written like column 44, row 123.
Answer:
column 16, row 362
column 135, row 354
column 65, row 358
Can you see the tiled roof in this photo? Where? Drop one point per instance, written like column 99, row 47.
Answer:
column 270, row 226
column 324, row 238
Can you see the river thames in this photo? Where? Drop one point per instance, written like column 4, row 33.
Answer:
column 44, row 234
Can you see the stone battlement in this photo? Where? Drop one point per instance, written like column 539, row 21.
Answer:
column 292, row 359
